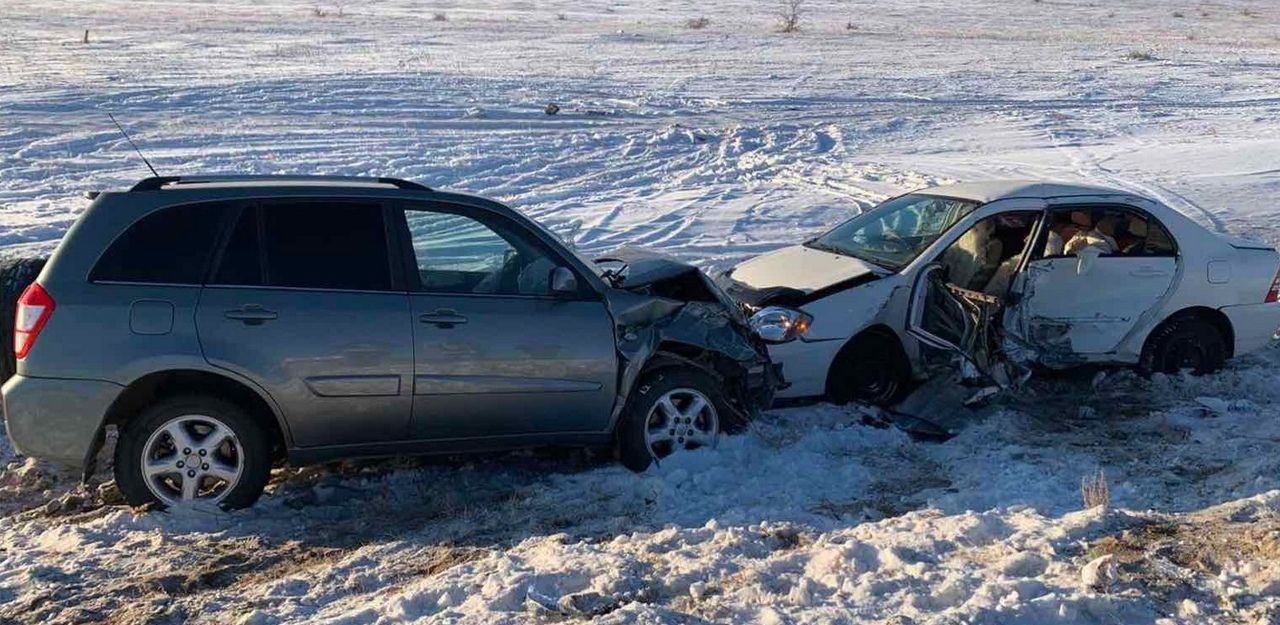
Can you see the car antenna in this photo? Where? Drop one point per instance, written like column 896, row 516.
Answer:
column 135, row 146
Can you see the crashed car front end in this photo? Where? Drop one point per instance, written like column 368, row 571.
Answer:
column 668, row 312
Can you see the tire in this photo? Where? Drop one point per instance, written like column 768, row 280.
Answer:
column 1184, row 343
column 678, row 384
column 872, row 368
column 247, row 450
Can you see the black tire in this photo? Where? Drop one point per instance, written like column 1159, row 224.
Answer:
column 633, row 446
column 15, row 275
column 1184, row 343
column 871, row 368
column 254, row 445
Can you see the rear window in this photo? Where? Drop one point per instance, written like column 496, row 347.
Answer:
column 169, row 246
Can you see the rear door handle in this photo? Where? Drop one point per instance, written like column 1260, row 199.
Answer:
column 251, row 315
column 1148, row 272
column 443, row 318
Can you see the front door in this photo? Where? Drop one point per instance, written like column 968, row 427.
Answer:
column 302, row 303
column 957, row 298
column 1096, row 271
column 496, row 354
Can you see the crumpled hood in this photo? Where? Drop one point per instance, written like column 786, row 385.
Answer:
column 799, row 267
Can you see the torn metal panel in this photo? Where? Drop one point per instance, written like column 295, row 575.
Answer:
column 967, row 325
column 666, row 310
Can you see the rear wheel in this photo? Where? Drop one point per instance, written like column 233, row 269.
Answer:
column 193, row 451
column 872, row 368
column 671, row 411
column 1184, row 344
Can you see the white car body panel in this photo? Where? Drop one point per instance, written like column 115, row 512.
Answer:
column 1108, row 322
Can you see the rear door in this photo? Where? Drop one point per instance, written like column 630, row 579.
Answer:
column 496, row 354
column 1096, row 271
column 303, row 302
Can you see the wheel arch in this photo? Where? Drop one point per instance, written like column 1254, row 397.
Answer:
column 846, row 350
column 1213, row 316
column 172, row 382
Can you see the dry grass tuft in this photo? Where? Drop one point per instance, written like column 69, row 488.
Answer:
column 1095, row 491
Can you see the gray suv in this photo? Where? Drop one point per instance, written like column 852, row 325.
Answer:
column 222, row 324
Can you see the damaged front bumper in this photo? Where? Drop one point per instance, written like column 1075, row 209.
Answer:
column 669, row 312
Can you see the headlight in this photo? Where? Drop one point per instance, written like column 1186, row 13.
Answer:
column 775, row 324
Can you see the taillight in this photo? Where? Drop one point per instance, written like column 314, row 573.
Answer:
column 35, row 307
column 1274, row 294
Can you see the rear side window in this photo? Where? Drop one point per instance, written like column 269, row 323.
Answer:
column 325, row 245
column 241, row 262
column 169, row 246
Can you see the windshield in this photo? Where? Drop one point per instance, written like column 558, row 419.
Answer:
column 895, row 232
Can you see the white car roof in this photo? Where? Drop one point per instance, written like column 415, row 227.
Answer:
column 993, row 190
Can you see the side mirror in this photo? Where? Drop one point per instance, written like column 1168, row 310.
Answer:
column 563, row 282
column 1085, row 259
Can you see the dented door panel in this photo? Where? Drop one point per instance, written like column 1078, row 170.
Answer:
column 1068, row 309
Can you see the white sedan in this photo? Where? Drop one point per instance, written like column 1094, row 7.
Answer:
column 1031, row 272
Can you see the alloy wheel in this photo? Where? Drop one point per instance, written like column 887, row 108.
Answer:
column 682, row 419
column 192, row 459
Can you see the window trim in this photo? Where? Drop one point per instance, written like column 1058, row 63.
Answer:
column 409, row 260
column 1043, row 238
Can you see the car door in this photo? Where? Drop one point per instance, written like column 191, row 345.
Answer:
column 958, row 295
column 303, row 303
column 1096, row 271
column 495, row 353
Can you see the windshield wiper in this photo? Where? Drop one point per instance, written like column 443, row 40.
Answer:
column 824, row 247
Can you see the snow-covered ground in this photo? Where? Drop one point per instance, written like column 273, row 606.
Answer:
column 714, row 144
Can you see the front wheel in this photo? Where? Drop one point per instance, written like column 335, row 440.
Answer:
column 671, row 411
column 192, row 451
column 872, row 368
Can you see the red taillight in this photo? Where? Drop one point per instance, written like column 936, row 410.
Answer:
column 34, row 309
column 1274, row 294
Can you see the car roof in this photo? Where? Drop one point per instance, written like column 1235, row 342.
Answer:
column 990, row 191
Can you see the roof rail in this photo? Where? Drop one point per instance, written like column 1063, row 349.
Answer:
column 159, row 182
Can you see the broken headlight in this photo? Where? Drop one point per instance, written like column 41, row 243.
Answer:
column 776, row 324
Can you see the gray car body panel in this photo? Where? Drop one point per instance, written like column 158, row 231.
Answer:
column 352, row 373
column 52, row 419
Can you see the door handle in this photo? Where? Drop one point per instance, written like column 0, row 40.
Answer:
column 251, row 314
column 443, row 318
column 1147, row 272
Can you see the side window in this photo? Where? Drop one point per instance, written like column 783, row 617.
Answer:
column 169, row 246
column 241, row 261
column 459, row 254
column 1110, row 230
column 986, row 256
column 1159, row 242
column 325, row 245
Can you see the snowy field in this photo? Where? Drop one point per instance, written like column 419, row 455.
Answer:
column 714, row 144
